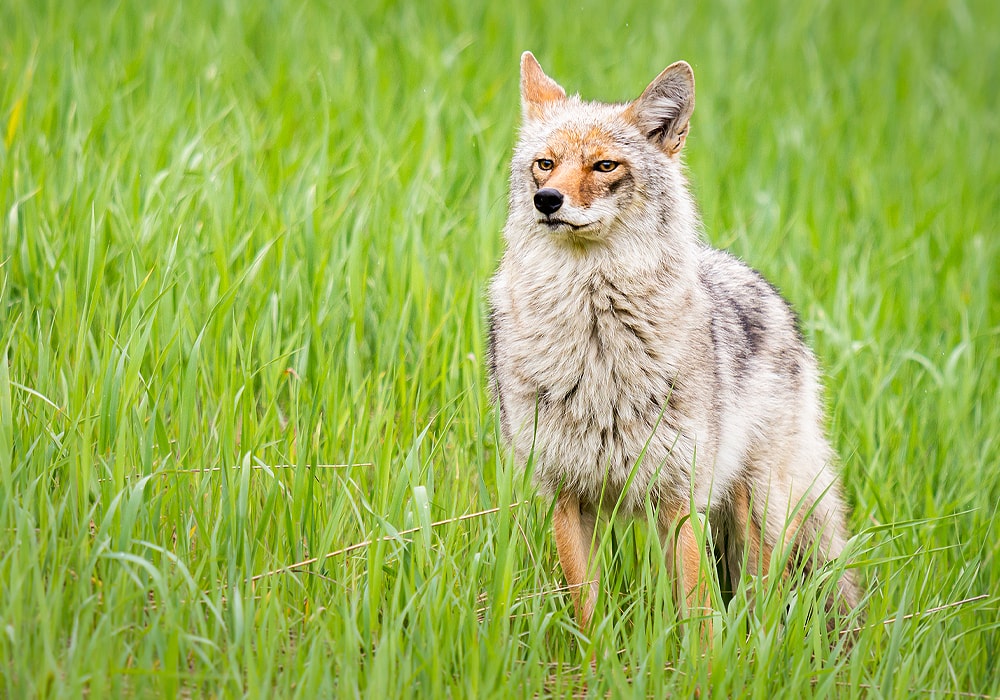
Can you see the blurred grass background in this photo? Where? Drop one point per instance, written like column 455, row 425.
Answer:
column 243, row 253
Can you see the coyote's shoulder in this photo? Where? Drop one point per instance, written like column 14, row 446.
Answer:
column 629, row 360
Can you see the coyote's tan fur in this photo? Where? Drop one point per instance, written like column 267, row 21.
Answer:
column 636, row 363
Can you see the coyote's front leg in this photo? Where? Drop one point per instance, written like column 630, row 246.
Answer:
column 574, row 531
column 687, row 561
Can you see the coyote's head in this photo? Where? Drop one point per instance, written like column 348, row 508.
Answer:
column 583, row 171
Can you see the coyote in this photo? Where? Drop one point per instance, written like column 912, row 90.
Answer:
column 631, row 362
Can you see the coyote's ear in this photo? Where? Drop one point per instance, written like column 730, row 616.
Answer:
column 663, row 111
column 537, row 89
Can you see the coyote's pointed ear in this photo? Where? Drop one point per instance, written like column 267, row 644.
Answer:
column 537, row 89
column 663, row 111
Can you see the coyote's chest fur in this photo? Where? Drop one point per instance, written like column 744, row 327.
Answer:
column 592, row 378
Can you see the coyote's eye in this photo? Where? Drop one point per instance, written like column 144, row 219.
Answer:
column 605, row 166
column 545, row 164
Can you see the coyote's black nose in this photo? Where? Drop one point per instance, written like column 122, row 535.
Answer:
column 548, row 200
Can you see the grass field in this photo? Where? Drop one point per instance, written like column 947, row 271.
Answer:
column 245, row 443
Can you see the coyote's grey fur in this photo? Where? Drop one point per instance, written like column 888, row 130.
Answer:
column 634, row 362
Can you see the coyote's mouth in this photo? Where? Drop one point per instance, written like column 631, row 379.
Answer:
column 555, row 224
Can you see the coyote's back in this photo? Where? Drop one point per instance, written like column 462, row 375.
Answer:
column 634, row 362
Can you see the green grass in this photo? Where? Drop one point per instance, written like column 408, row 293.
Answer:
column 243, row 254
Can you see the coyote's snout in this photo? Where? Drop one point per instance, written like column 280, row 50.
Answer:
column 636, row 364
